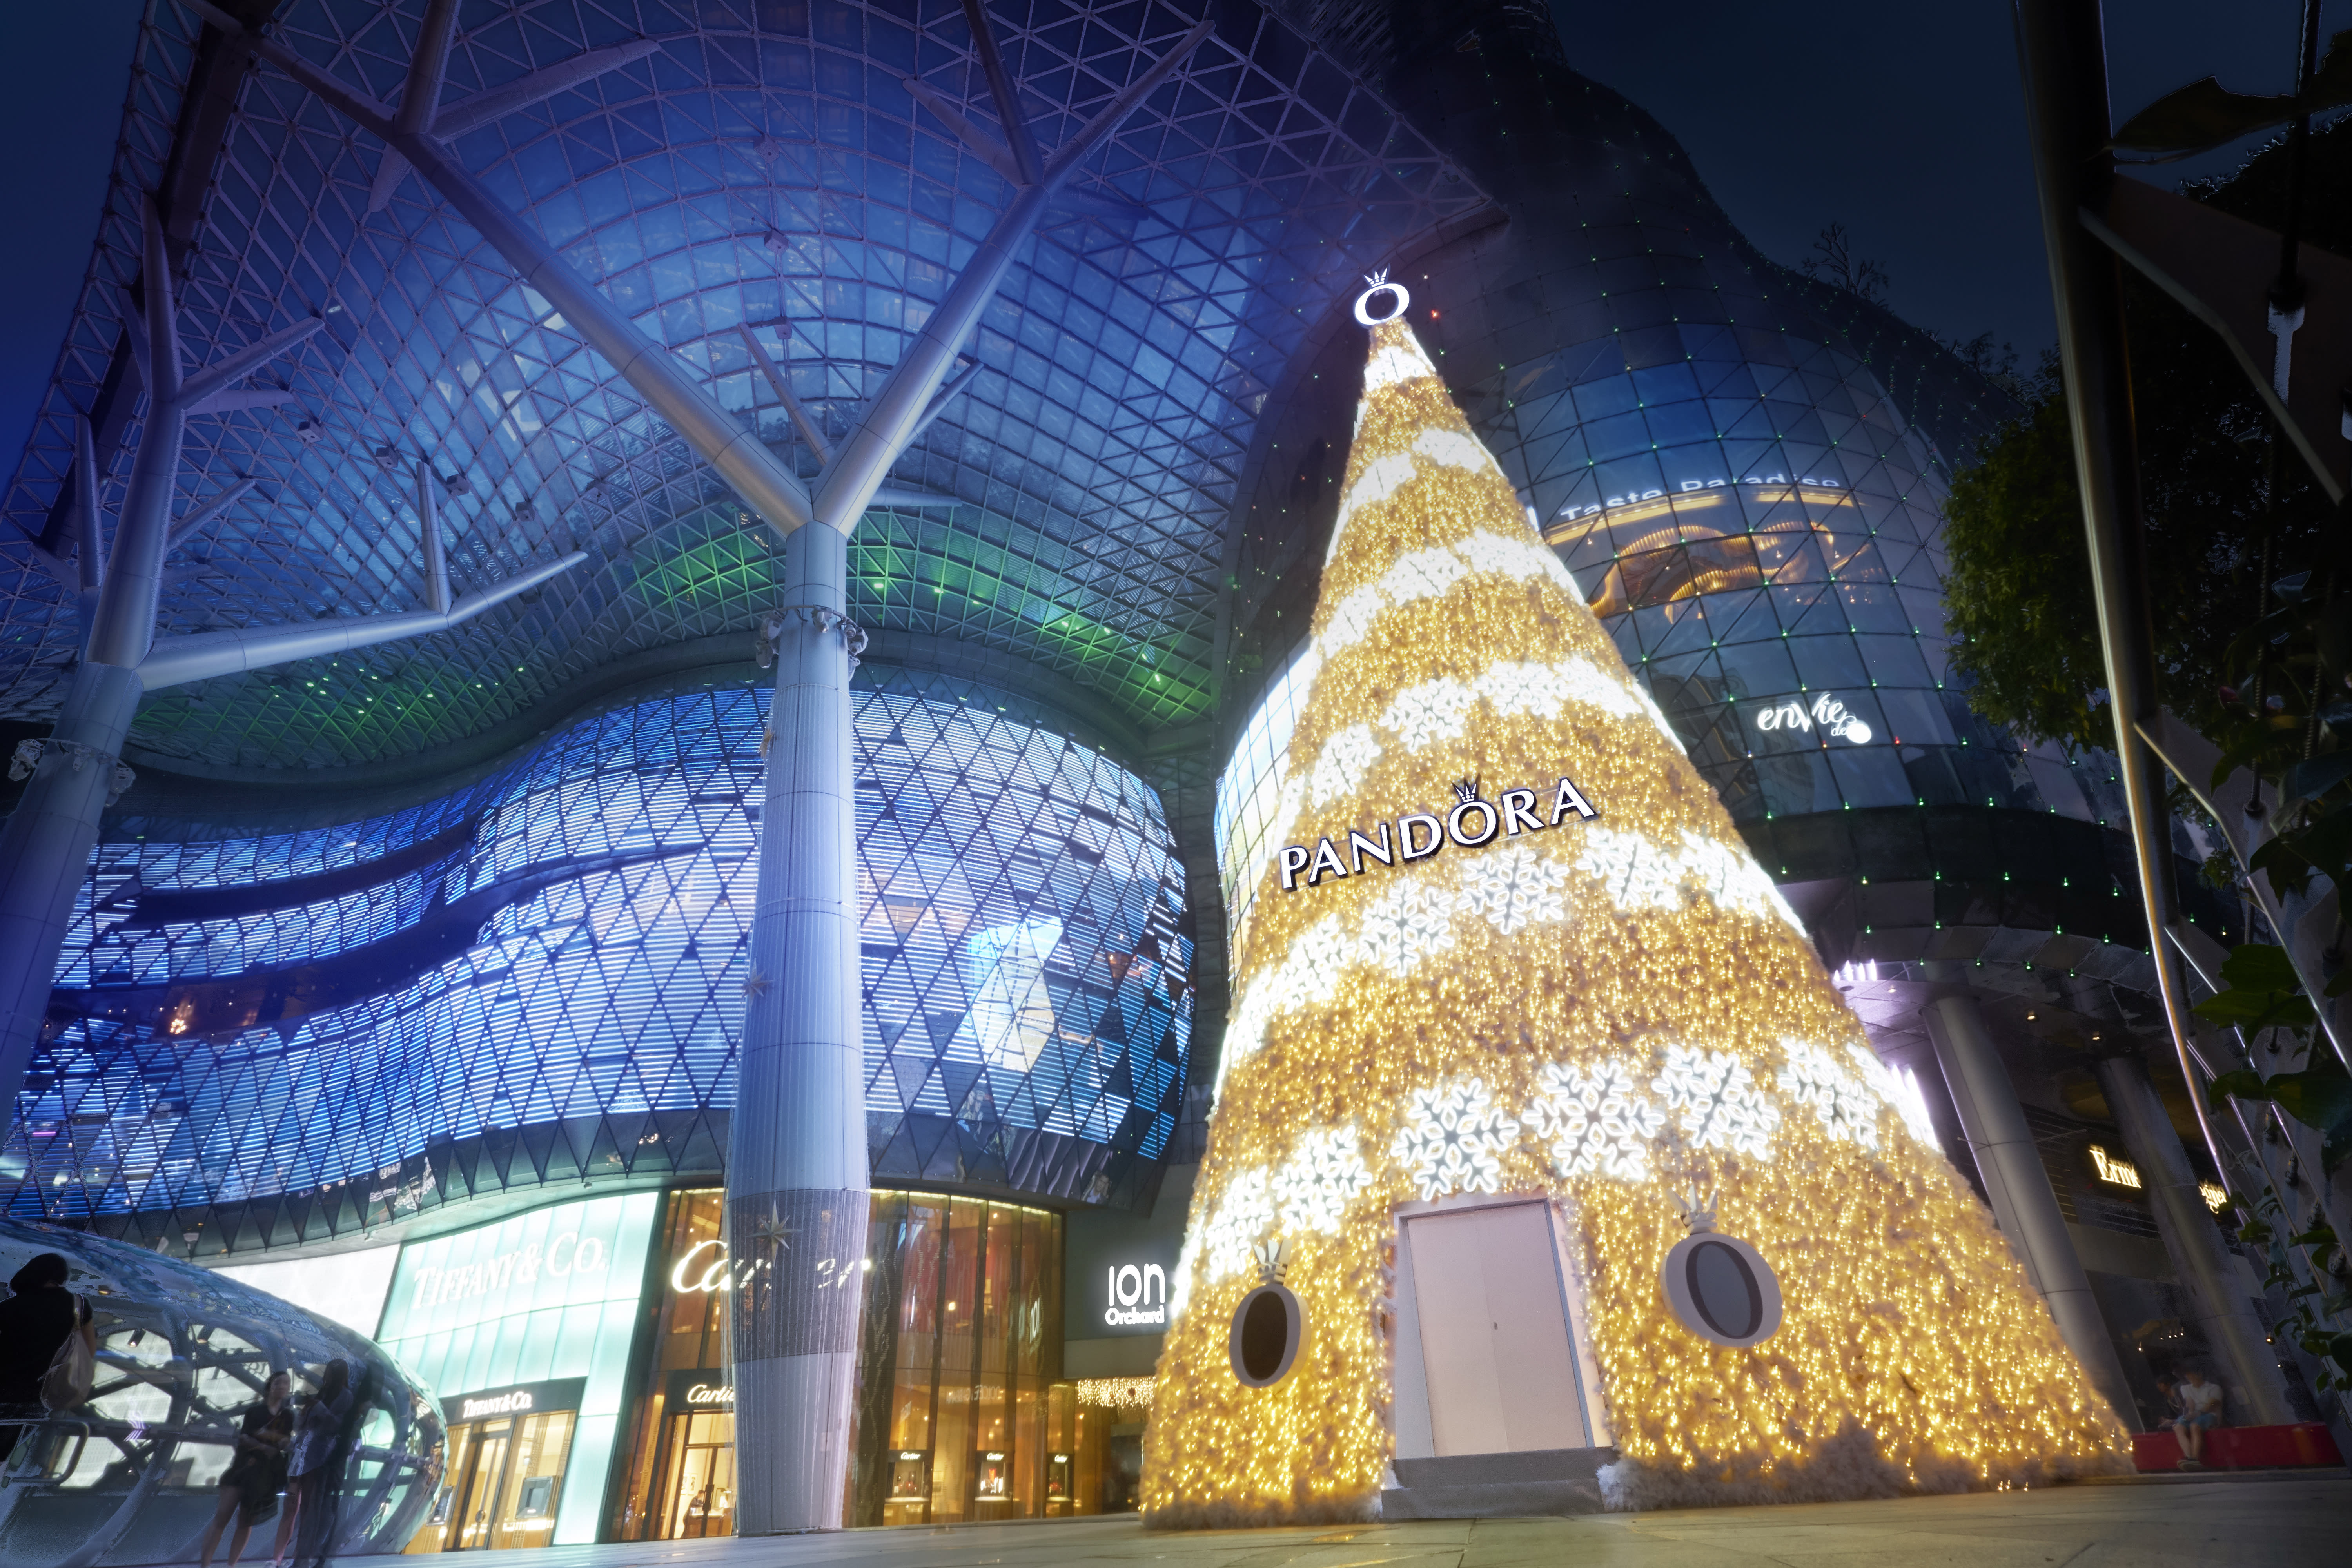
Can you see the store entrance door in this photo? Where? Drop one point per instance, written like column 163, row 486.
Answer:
column 1495, row 1347
column 504, row 1480
column 698, row 1492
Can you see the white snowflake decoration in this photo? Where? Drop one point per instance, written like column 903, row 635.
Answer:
column 1422, row 575
column 1454, row 1140
column 1455, row 451
column 1637, row 873
column 1352, row 617
column 1899, row 1089
column 1584, row 682
column 1347, row 757
column 1432, row 711
column 1403, row 925
column 1244, row 1215
column 1515, row 888
column 1717, row 1101
column 1733, row 879
column 1598, row 1121
column 1843, row 1102
column 1247, row 1030
column 1326, row 1174
column 1514, row 558
column 1311, row 971
column 1515, row 686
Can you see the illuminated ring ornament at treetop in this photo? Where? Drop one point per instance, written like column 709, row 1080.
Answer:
column 1380, row 285
column 1721, row 1290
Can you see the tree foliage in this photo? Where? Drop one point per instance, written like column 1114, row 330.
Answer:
column 2018, row 593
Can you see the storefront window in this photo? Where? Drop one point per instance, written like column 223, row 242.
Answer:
column 682, row 1435
column 960, row 1413
column 524, row 1327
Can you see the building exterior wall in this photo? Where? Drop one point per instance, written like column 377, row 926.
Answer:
column 539, row 977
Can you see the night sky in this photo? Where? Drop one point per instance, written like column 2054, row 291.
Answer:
column 1900, row 121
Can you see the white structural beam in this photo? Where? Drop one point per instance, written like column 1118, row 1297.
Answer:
column 75, row 772
column 175, row 661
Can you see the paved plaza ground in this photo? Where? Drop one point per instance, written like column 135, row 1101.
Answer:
column 2257, row 1523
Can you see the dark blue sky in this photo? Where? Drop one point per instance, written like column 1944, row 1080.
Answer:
column 1901, row 121
column 1904, row 120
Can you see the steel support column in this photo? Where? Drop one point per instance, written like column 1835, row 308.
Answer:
column 796, row 1161
column 2019, row 1187
column 2219, row 1304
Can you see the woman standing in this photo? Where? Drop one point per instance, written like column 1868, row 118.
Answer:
column 308, row 1470
column 249, row 1485
column 35, row 1321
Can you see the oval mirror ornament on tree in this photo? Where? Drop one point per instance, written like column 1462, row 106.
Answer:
column 1266, row 1328
column 1721, row 1290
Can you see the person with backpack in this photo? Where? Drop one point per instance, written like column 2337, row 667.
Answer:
column 43, row 1325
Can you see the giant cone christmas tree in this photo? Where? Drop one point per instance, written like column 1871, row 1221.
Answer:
column 1617, row 1012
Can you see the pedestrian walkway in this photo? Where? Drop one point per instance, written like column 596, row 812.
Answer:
column 2278, row 1521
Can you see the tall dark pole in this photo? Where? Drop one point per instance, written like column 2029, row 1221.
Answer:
column 2062, row 52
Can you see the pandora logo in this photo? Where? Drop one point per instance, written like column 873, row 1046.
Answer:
column 1473, row 821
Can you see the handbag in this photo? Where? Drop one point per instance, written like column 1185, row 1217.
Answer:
column 66, row 1384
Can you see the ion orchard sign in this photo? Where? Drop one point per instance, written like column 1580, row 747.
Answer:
column 1418, row 834
column 1827, row 711
column 1132, row 1293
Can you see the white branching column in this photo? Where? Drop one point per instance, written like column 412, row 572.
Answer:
column 796, row 1167
column 77, row 771
column 1509, row 945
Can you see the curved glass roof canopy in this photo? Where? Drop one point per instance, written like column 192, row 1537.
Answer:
column 796, row 169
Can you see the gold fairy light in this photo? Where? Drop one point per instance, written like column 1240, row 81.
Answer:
column 1506, row 939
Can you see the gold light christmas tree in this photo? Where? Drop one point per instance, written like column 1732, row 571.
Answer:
column 1587, row 990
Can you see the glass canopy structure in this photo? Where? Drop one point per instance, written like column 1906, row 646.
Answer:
column 780, row 167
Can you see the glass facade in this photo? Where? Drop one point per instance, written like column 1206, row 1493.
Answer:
column 539, row 976
column 681, row 1433
column 524, row 1330
column 962, row 1412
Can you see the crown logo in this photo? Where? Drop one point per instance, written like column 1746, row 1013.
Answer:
column 1465, row 790
column 1273, row 1256
column 1697, row 1212
column 1377, row 283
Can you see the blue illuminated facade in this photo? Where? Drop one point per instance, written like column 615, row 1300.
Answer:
column 540, row 977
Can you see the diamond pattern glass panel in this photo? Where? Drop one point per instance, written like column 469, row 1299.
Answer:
column 559, row 953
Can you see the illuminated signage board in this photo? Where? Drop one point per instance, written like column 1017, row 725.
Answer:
column 691, row 1389
column 1470, row 823
column 1135, row 1296
column 2113, row 1171
column 1826, row 711
column 522, row 1399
